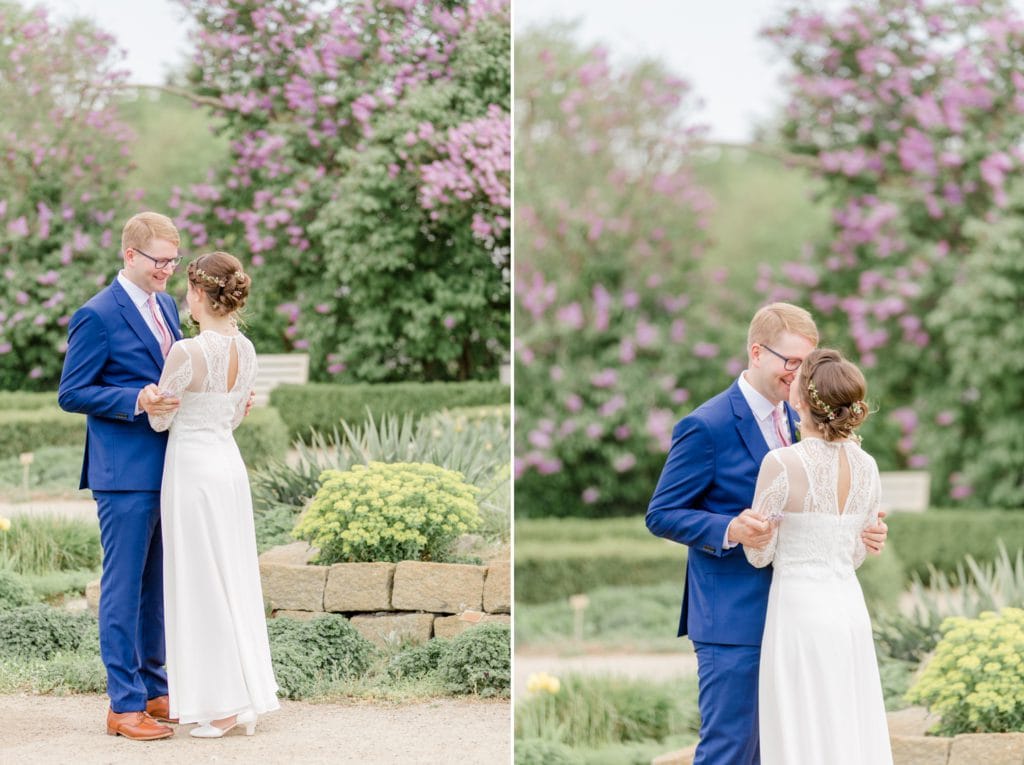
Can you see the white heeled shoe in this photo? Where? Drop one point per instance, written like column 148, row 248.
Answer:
column 209, row 730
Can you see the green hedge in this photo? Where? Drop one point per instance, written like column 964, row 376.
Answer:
column 943, row 537
column 28, row 430
column 262, row 436
column 557, row 570
column 322, row 406
column 24, row 400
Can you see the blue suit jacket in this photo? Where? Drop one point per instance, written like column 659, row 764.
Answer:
column 111, row 356
column 708, row 479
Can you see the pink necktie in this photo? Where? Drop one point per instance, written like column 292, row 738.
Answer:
column 165, row 335
column 780, row 429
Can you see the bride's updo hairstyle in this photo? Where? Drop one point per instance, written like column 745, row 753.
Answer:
column 220, row 276
column 833, row 393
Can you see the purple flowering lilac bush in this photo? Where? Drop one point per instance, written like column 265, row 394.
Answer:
column 64, row 164
column 368, row 182
column 912, row 113
column 618, row 330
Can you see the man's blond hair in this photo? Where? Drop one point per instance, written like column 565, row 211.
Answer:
column 774, row 319
column 143, row 228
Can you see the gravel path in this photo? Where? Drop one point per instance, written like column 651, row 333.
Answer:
column 63, row 729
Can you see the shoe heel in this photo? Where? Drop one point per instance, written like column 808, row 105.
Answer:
column 111, row 731
column 250, row 728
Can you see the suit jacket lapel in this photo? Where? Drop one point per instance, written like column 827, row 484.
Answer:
column 791, row 421
column 137, row 323
column 746, row 425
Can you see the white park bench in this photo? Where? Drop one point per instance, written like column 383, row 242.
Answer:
column 276, row 369
column 905, row 490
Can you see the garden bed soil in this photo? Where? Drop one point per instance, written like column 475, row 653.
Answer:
column 46, row 729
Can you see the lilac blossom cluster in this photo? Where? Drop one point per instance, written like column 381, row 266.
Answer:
column 64, row 164
column 297, row 85
column 911, row 111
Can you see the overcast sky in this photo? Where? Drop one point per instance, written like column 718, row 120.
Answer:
column 153, row 32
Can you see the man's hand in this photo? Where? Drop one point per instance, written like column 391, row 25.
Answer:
column 249, row 404
column 874, row 536
column 749, row 530
column 153, row 403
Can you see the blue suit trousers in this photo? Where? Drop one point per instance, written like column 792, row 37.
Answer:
column 727, row 678
column 131, row 598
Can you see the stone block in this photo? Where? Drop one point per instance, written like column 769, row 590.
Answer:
column 445, row 588
column 390, row 629
column 359, row 587
column 988, row 748
column 293, row 588
column 295, row 554
column 302, row 616
column 92, row 596
column 498, row 589
column 920, row 750
column 450, row 626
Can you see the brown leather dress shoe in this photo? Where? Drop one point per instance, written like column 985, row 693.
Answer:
column 160, row 709
column 137, row 726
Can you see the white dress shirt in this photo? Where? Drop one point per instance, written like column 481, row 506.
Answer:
column 762, row 409
column 141, row 300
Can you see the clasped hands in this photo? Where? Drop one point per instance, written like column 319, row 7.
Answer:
column 751, row 529
column 155, row 403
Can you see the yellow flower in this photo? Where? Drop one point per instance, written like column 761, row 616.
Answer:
column 543, row 682
column 5, row 524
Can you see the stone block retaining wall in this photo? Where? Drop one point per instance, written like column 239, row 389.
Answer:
column 388, row 602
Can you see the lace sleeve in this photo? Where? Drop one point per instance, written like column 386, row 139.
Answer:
column 769, row 499
column 860, row 551
column 246, row 381
column 176, row 376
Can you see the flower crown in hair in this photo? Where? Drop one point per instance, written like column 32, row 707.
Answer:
column 208, row 278
column 819, row 402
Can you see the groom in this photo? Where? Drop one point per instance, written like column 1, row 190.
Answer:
column 117, row 343
column 703, row 500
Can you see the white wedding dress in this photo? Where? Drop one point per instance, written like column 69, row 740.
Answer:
column 819, row 692
column 218, row 654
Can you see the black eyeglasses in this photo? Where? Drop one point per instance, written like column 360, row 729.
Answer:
column 159, row 264
column 788, row 362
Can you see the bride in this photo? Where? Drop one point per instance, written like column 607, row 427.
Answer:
column 218, row 656
column 819, row 692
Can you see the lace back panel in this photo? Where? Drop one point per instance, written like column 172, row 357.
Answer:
column 815, row 536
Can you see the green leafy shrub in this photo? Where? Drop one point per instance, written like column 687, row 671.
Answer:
column 29, row 430
column 14, row 590
column 308, row 653
column 320, row 407
column 380, row 512
column 910, row 634
column 539, row 751
column 478, row 661
column 72, row 673
column 600, row 711
column 55, row 469
column 39, row 631
column 975, row 681
column 417, row 660
column 40, row 544
column 262, row 436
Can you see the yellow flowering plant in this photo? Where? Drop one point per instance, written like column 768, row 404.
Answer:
column 975, row 680
column 389, row 512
